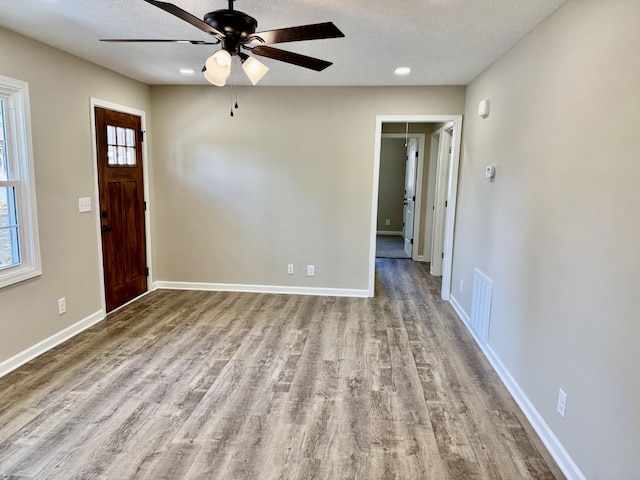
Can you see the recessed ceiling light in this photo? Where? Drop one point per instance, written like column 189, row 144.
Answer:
column 402, row 71
column 186, row 71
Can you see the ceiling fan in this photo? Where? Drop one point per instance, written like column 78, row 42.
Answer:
column 236, row 31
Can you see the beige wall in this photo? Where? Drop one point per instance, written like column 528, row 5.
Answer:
column 559, row 229
column 393, row 156
column 60, row 87
column 287, row 180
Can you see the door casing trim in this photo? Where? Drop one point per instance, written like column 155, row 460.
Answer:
column 451, row 215
column 96, row 102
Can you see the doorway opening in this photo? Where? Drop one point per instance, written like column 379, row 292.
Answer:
column 400, row 193
column 413, row 204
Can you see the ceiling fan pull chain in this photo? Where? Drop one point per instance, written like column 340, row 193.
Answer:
column 231, row 109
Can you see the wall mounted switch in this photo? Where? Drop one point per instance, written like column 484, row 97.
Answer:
column 311, row 270
column 84, row 204
column 290, row 269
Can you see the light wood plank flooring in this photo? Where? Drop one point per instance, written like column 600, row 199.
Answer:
column 202, row 385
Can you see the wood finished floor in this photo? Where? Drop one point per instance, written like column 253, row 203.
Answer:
column 202, row 385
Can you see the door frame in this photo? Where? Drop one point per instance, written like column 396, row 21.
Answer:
column 445, row 139
column 453, row 178
column 431, row 190
column 95, row 102
column 419, row 173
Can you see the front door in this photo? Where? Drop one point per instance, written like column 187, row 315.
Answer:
column 121, row 187
column 410, row 194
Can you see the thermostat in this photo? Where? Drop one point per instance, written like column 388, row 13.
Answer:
column 490, row 171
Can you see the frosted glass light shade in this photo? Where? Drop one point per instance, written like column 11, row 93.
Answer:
column 218, row 68
column 254, row 69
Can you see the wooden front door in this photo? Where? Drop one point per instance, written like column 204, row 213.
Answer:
column 122, row 205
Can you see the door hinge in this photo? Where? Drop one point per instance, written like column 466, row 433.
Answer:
column 414, row 198
column 450, row 149
column 142, row 135
column 412, row 241
column 145, row 206
column 446, row 203
column 416, row 154
column 443, row 255
column 147, row 271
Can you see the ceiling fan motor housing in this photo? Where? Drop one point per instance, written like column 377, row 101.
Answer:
column 237, row 26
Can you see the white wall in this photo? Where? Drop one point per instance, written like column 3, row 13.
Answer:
column 559, row 229
column 60, row 87
column 288, row 179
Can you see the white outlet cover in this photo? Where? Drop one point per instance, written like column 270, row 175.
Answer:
column 62, row 306
column 311, row 270
column 562, row 403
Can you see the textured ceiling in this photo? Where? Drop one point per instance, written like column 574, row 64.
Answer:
column 445, row 42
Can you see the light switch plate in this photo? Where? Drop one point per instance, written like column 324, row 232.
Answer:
column 84, row 204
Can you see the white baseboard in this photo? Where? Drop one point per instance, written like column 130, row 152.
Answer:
column 227, row 287
column 47, row 344
column 558, row 452
column 420, row 258
column 386, row 232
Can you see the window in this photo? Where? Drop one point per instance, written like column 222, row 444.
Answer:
column 122, row 145
column 19, row 249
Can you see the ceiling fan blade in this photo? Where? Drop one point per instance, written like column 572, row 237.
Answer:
column 148, row 40
column 290, row 57
column 186, row 16
column 304, row 32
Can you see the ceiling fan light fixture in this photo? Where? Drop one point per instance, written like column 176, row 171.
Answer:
column 218, row 68
column 254, row 69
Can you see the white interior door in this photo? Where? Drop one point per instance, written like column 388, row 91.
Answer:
column 441, row 202
column 410, row 195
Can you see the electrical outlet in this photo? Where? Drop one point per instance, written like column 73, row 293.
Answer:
column 62, row 305
column 388, row 222
column 311, row 270
column 290, row 269
column 562, row 403
column 461, row 285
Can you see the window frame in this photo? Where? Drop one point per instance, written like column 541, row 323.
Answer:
column 19, row 149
